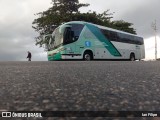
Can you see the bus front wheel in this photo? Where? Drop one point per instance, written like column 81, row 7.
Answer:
column 87, row 56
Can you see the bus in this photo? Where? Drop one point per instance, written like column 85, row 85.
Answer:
column 86, row 41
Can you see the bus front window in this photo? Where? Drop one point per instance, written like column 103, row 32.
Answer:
column 47, row 39
column 66, row 34
column 58, row 38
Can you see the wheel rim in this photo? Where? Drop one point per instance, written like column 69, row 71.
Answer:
column 87, row 57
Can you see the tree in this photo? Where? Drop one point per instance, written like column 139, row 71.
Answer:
column 68, row 10
column 124, row 26
column 60, row 12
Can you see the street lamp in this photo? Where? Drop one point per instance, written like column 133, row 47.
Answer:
column 154, row 26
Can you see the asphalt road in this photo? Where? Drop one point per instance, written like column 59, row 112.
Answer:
column 80, row 86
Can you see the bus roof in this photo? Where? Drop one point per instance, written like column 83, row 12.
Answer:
column 102, row 27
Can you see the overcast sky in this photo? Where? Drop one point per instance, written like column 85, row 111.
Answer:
column 17, row 35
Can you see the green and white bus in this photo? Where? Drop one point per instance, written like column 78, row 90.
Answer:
column 87, row 41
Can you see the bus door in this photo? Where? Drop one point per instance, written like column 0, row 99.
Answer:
column 68, row 40
column 75, row 30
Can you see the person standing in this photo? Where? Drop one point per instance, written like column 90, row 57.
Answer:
column 29, row 56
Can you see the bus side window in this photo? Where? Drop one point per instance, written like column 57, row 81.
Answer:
column 68, row 35
column 107, row 34
column 77, row 29
column 71, row 34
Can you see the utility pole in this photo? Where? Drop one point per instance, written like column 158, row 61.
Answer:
column 154, row 26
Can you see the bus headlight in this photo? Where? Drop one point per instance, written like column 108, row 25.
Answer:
column 52, row 54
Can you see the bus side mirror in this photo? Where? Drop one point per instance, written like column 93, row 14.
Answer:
column 46, row 47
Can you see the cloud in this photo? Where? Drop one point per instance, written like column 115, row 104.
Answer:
column 139, row 12
column 16, row 33
column 143, row 16
column 142, row 13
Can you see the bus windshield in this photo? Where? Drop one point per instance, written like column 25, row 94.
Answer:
column 57, row 37
column 65, row 34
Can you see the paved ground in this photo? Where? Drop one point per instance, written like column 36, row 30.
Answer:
column 78, row 85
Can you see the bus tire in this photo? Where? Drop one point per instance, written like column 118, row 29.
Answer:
column 88, row 56
column 132, row 57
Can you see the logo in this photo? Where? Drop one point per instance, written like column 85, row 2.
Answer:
column 88, row 44
column 6, row 114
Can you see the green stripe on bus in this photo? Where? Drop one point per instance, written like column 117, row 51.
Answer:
column 55, row 57
column 110, row 47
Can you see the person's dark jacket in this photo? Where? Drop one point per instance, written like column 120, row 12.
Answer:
column 29, row 55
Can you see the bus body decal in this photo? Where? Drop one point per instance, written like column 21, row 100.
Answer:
column 88, row 44
column 109, row 46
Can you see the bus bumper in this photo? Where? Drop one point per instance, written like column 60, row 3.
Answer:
column 71, row 56
column 59, row 56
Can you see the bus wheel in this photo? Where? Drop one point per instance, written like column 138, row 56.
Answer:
column 87, row 56
column 132, row 57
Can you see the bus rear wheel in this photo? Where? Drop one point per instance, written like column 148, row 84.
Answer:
column 132, row 57
column 87, row 56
